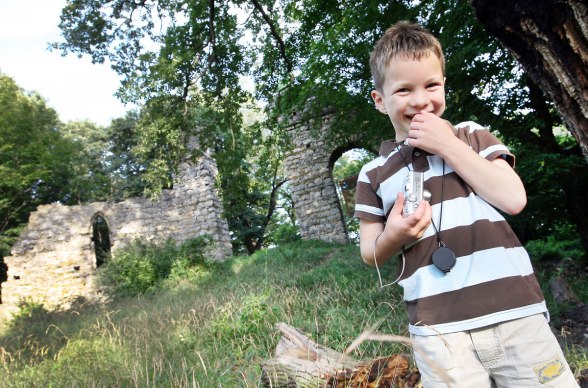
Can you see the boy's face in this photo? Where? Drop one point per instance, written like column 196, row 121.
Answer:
column 411, row 86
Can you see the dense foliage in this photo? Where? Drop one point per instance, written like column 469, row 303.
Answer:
column 191, row 56
column 36, row 161
column 185, row 63
column 146, row 266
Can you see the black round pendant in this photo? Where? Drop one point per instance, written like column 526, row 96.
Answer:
column 444, row 259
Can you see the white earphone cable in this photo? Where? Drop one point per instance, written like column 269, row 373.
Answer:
column 378, row 270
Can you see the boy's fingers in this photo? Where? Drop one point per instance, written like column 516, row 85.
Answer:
column 398, row 204
column 423, row 214
column 421, row 209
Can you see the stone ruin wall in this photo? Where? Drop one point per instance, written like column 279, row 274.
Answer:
column 54, row 260
column 309, row 170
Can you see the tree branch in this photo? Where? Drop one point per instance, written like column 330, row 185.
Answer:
column 211, row 32
column 275, row 34
column 270, row 211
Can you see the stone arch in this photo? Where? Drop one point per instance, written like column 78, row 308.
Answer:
column 353, row 155
column 309, row 167
column 101, row 238
column 339, row 151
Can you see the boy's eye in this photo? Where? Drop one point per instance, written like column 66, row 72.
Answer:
column 432, row 85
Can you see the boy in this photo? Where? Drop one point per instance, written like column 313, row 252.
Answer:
column 474, row 305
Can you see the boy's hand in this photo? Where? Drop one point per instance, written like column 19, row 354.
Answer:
column 493, row 180
column 430, row 132
column 410, row 228
column 397, row 232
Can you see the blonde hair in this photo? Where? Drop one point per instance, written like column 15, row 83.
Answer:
column 403, row 39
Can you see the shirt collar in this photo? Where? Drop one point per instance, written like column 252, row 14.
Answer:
column 388, row 146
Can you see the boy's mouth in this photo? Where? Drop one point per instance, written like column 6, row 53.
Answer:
column 411, row 116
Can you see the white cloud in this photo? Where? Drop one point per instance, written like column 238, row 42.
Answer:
column 73, row 86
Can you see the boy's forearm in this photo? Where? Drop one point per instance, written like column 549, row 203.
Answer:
column 374, row 238
column 380, row 242
column 380, row 247
column 494, row 181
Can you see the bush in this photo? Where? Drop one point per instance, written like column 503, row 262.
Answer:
column 142, row 267
column 285, row 233
column 556, row 247
column 28, row 310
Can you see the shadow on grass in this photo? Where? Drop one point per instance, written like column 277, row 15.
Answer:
column 35, row 333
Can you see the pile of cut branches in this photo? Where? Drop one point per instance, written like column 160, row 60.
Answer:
column 300, row 362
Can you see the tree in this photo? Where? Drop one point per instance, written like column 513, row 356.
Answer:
column 185, row 58
column 91, row 179
column 550, row 40
column 35, row 160
column 123, row 158
column 251, row 184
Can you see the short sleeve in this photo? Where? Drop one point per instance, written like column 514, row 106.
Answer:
column 368, row 204
column 484, row 142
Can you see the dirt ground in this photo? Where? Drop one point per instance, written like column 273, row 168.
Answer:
column 572, row 331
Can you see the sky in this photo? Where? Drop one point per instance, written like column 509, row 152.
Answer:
column 74, row 87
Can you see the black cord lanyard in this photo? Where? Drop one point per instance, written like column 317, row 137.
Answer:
column 443, row 257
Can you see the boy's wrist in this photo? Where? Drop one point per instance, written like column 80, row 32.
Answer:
column 452, row 151
column 386, row 246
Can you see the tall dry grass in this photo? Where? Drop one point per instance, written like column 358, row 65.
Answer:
column 213, row 327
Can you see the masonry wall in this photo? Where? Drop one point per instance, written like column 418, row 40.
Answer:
column 54, row 261
column 314, row 194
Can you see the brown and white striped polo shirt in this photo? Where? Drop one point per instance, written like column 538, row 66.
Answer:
column 492, row 281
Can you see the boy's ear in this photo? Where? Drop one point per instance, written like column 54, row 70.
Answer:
column 377, row 97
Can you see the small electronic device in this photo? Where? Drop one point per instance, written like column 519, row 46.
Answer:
column 414, row 192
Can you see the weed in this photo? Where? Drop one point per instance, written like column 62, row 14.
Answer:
column 208, row 324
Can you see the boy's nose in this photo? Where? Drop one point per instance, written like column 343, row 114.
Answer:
column 419, row 99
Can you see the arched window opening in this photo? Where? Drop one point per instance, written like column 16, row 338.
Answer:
column 101, row 239
column 345, row 172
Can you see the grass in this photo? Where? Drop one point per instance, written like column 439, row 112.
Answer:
column 213, row 329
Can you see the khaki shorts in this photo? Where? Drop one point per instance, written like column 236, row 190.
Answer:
column 519, row 353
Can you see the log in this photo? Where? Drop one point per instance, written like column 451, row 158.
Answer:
column 300, row 362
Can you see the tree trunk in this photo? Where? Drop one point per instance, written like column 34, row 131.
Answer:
column 550, row 40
